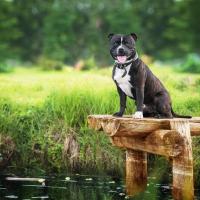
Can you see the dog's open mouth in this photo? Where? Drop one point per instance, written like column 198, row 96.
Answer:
column 121, row 59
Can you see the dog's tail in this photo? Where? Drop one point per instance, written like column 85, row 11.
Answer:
column 180, row 116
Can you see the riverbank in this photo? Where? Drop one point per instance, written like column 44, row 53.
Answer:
column 44, row 117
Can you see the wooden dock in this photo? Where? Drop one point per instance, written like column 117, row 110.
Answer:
column 167, row 137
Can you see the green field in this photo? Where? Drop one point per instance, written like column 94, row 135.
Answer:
column 40, row 109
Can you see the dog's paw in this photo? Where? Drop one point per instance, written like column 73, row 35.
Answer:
column 117, row 114
column 138, row 115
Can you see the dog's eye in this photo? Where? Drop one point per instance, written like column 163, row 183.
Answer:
column 116, row 43
column 125, row 42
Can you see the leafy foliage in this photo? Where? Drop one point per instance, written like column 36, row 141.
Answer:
column 69, row 31
column 47, row 64
column 192, row 64
column 4, row 68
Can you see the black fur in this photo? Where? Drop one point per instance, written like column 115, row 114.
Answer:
column 149, row 93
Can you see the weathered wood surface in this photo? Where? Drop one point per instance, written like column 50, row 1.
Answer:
column 127, row 126
column 162, row 142
column 167, row 137
column 182, row 169
column 136, row 171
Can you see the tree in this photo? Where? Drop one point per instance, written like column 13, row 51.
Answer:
column 9, row 31
column 30, row 15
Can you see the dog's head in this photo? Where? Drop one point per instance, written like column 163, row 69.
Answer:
column 122, row 47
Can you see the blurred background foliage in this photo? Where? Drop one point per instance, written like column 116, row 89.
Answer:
column 69, row 31
column 43, row 108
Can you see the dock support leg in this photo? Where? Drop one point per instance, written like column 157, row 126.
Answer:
column 136, row 171
column 183, row 185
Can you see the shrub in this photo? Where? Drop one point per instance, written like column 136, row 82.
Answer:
column 191, row 64
column 87, row 64
column 49, row 64
column 5, row 68
column 90, row 63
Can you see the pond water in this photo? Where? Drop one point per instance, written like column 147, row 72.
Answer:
column 78, row 187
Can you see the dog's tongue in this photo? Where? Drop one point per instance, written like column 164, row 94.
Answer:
column 121, row 59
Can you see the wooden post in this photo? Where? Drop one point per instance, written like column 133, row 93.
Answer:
column 183, row 185
column 136, row 171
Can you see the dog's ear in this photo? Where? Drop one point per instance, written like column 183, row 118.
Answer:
column 110, row 36
column 134, row 36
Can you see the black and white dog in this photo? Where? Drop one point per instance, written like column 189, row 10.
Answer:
column 134, row 79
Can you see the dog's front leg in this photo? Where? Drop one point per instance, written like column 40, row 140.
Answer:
column 122, row 96
column 139, row 103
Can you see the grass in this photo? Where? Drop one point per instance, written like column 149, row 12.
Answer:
column 39, row 110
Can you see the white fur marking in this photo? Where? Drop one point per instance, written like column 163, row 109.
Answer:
column 123, row 82
column 120, row 45
column 138, row 115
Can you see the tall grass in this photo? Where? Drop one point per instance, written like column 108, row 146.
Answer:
column 39, row 110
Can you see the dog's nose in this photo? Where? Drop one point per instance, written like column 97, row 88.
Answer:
column 121, row 50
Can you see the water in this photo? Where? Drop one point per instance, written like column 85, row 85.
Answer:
column 78, row 187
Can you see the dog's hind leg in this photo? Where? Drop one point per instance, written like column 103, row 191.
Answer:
column 148, row 111
column 163, row 107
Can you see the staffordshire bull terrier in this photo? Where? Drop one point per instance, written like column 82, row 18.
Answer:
column 134, row 79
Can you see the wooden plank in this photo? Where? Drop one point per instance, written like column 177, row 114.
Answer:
column 129, row 117
column 136, row 171
column 163, row 142
column 127, row 126
column 108, row 125
column 183, row 184
column 194, row 129
column 140, row 129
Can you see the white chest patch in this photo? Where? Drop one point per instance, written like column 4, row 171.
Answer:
column 123, row 82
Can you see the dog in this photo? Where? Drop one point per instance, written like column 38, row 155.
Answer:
column 134, row 79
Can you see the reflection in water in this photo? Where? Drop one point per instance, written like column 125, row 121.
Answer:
column 78, row 187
